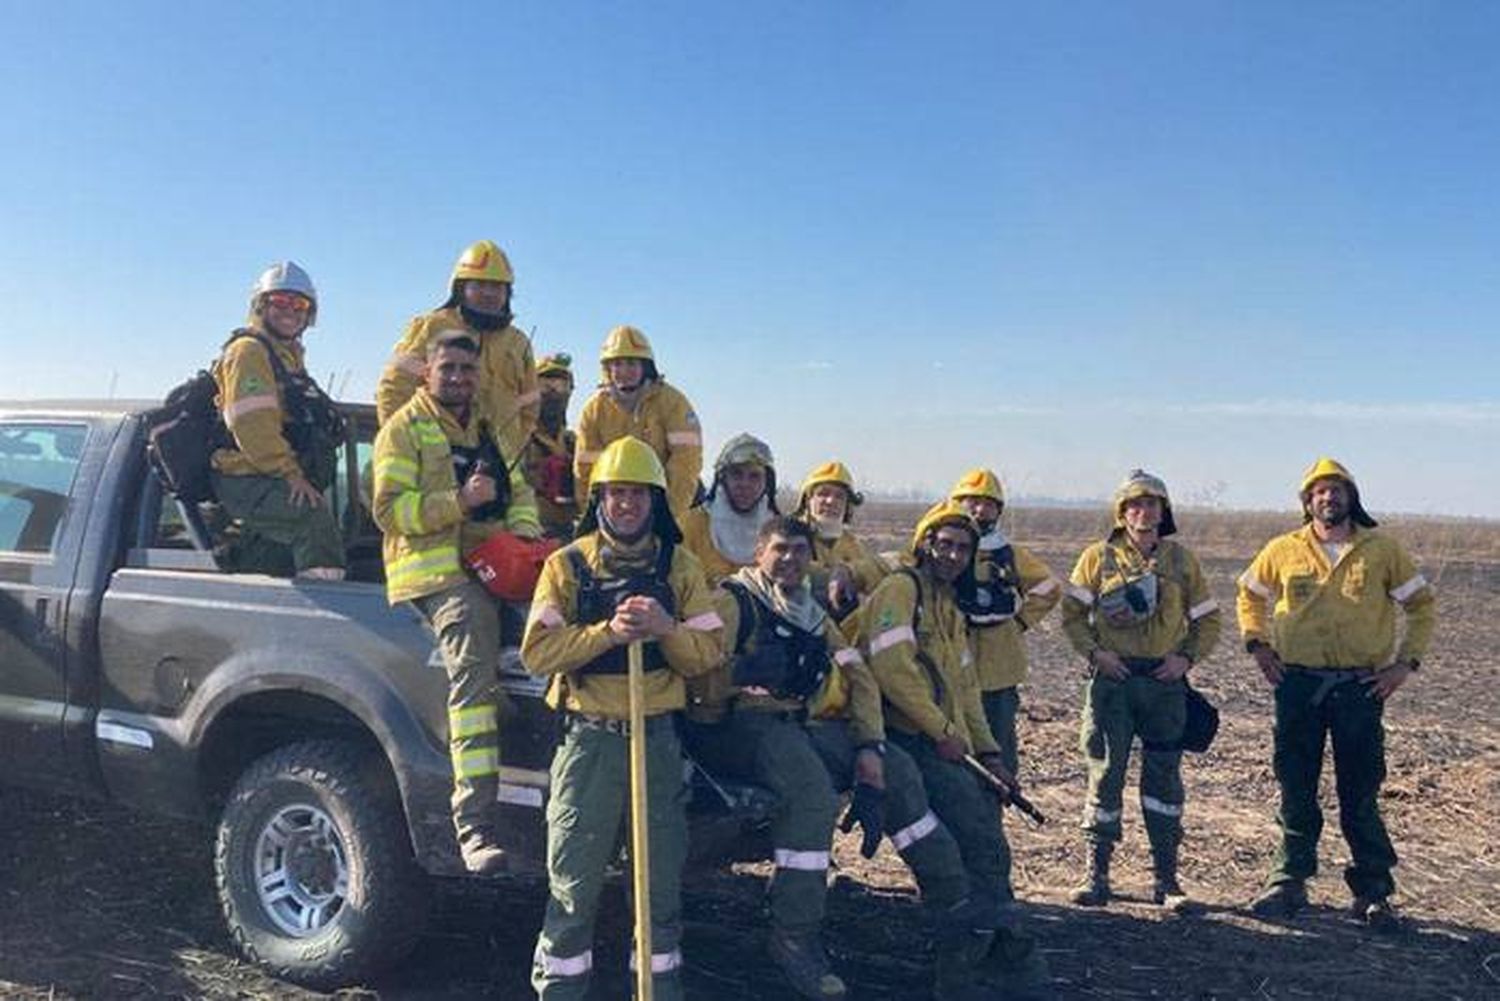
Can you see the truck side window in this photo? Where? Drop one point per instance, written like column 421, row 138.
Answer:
column 37, row 466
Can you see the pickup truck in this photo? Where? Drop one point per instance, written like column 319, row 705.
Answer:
column 305, row 720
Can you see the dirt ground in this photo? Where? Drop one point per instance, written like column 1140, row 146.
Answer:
column 97, row 902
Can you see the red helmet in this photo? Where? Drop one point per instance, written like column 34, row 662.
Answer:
column 508, row 565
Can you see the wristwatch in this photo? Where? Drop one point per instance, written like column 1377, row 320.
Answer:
column 878, row 746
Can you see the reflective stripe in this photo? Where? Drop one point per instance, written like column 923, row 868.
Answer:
column 1254, row 586
column 409, row 363
column 1046, row 587
column 1103, row 816
column 472, row 764
column 1157, row 806
column 398, row 469
column 1203, row 608
column 249, row 405
column 661, row 962
column 1408, row 589
column 407, row 512
column 803, row 861
column 966, row 658
column 847, row 657
column 472, row 721
column 684, row 438
column 547, row 615
column 564, row 966
column 889, row 638
column 1081, row 594
column 430, row 563
column 587, row 456
column 704, row 622
column 527, row 399
column 915, row 831
column 429, row 432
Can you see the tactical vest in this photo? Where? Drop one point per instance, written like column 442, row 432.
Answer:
column 486, row 459
column 786, row 660
column 994, row 600
column 598, row 597
column 310, row 420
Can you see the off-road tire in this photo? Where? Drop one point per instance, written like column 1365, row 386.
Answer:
column 383, row 906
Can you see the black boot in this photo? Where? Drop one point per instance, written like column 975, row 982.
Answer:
column 1094, row 890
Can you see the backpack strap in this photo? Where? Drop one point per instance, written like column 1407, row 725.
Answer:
column 749, row 615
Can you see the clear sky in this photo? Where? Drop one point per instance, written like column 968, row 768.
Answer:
column 1214, row 239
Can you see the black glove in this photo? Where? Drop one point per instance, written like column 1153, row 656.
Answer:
column 867, row 809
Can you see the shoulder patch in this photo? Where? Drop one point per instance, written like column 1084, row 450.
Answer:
column 690, row 419
column 887, row 619
column 250, row 385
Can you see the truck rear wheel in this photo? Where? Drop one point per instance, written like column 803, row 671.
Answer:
column 314, row 868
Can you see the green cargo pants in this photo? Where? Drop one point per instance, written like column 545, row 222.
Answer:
column 1000, row 708
column 466, row 621
column 972, row 814
column 774, row 750
column 924, row 843
column 271, row 527
column 1353, row 718
column 1114, row 714
column 587, row 816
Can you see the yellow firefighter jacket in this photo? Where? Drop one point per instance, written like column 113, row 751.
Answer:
column 559, row 510
column 663, row 419
column 416, row 499
column 508, row 395
column 251, row 403
column 917, row 646
column 697, row 535
column 848, row 550
column 1186, row 617
column 558, row 646
column 1317, row 614
column 1000, row 650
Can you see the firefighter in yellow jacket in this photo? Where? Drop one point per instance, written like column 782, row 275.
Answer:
column 1318, row 609
column 1138, row 609
column 723, row 529
column 549, row 452
column 1014, row 590
column 624, row 579
column 634, row 399
column 283, row 433
column 479, row 303
column 844, row 567
column 916, row 643
column 442, row 488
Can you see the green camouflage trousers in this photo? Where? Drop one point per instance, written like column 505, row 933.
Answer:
column 587, row 816
column 272, row 527
column 1114, row 714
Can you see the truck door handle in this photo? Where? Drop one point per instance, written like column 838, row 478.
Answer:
column 41, row 613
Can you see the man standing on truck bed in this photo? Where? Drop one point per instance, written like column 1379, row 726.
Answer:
column 282, row 435
column 549, row 451
column 625, row 579
column 479, row 302
column 442, row 488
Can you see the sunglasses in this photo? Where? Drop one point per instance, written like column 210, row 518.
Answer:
column 289, row 300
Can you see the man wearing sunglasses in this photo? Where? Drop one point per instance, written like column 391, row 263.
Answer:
column 282, row 435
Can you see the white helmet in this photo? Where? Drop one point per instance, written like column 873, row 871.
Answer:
column 285, row 276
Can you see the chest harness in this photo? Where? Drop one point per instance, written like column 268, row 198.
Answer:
column 786, row 660
column 599, row 596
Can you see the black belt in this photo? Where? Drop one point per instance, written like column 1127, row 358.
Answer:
column 1142, row 665
column 1329, row 678
column 618, row 727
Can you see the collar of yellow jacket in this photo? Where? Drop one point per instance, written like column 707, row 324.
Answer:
column 289, row 349
column 428, row 406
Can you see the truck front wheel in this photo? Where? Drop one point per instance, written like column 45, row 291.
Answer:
column 314, row 869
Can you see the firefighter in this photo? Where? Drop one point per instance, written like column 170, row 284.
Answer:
column 634, row 399
column 845, row 568
column 1138, row 609
column 1317, row 608
column 442, row 490
column 549, row 452
column 722, row 529
column 283, row 433
column 479, row 303
column 1014, row 590
column 915, row 641
column 624, row 579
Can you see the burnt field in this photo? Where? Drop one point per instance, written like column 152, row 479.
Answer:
column 98, row 902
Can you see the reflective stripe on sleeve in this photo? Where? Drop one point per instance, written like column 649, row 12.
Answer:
column 704, row 622
column 1408, row 589
column 476, row 763
column 1254, row 586
column 915, row 831
column 661, row 962
column 889, row 638
column 1203, row 608
column 564, row 966
column 803, row 861
column 1103, row 816
column 472, row 721
column 1157, row 806
column 1045, row 587
column 249, row 405
column 847, row 657
column 684, row 438
column 398, row 469
column 547, row 616
column 1081, row 594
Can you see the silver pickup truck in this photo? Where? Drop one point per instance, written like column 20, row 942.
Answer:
column 306, row 720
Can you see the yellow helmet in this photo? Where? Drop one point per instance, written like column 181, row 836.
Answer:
column 629, row 460
column 559, row 364
column 484, row 261
column 947, row 512
column 832, row 471
column 1142, row 484
column 979, row 482
column 626, row 342
column 1323, row 469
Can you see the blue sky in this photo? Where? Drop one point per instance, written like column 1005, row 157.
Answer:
column 1212, row 239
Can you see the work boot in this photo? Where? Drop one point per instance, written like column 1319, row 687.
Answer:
column 1377, row 913
column 805, row 965
column 1094, row 890
column 1280, row 900
column 955, row 975
column 1167, row 891
column 481, row 853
